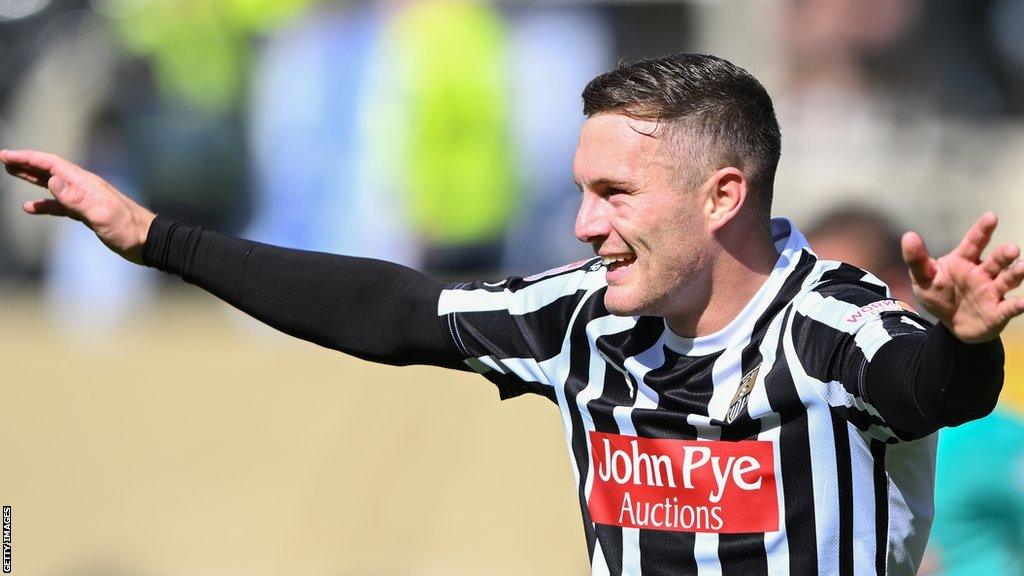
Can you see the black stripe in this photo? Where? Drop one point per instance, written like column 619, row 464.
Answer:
column 795, row 458
column 510, row 386
column 827, row 353
column 744, row 554
column 618, row 391
column 881, row 507
column 863, row 420
column 844, row 485
column 537, row 334
column 579, row 370
column 837, row 282
column 664, row 553
column 621, row 390
column 684, row 386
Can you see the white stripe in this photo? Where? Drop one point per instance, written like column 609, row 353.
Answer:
column 862, row 465
column 837, row 395
column 776, row 544
column 595, row 385
column 599, row 566
column 522, row 301
column 526, row 369
column 871, row 337
column 829, row 311
column 911, row 322
column 646, row 398
column 594, row 389
column 824, row 475
column 559, row 375
column 493, row 363
column 910, row 467
column 705, row 544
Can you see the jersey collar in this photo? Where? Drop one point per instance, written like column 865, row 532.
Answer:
column 789, row 243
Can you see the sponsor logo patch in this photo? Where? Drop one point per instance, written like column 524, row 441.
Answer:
column 874, row 309
column 683, row 486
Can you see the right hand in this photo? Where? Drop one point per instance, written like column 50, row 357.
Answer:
column 120, row 223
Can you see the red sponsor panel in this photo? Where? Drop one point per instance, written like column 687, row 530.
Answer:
column 683, row 486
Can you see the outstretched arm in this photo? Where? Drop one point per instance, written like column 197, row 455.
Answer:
column 375, row 310
column 954, row 373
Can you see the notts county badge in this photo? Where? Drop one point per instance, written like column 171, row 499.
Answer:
column 739, row 401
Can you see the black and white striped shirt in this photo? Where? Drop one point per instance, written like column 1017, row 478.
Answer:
column 761, row 449
column 683, row 465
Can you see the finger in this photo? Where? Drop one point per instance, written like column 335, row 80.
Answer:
column 46, row 206
column 1010, row 278
column 30, row 175
column 1000, row 258
column 1011, row 308
column 31, row 158
column 977, row 237
column 915, row 253
column 33, row 161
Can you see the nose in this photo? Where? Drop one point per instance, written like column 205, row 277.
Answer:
column 591, row 220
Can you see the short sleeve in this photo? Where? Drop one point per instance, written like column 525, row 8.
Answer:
column 513, row 331
column 838, row 328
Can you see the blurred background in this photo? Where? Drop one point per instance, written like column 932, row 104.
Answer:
column 150, row 430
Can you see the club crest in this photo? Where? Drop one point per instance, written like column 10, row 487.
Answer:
column 739, row 400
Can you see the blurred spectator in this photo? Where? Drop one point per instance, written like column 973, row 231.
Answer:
column 188, row 137
column 979, row 488
column 976, row 52
column 455, row 142
column 867, row 239
column 554, row 51
column 321, row 180
column 89, row 291
column 849, row 121
column 63, row 75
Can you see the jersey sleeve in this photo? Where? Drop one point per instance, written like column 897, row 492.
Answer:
column 371, row 309
column 512, row 331
column 838, row 328
column 887, row 370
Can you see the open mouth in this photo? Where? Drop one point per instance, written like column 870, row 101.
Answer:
column 616, row 261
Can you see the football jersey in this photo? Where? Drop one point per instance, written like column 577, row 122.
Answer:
column 749, row 451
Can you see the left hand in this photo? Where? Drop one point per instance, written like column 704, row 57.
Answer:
column 964, row 291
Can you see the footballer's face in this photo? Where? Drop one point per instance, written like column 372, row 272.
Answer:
column 641, row 215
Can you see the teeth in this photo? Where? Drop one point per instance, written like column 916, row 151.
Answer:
column 606, row 260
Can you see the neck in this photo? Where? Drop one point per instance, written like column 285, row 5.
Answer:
column 739, row 270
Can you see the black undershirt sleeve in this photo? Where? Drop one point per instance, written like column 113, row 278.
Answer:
column 371, row 309
column 922, row 382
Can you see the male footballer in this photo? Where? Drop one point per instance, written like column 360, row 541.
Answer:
column 731, row 403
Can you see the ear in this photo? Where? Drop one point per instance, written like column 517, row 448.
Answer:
column 725, row 194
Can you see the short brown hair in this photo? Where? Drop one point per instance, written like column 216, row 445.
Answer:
column 721, row 106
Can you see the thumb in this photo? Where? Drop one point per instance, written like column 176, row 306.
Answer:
column 56, row 184
column 915, row 254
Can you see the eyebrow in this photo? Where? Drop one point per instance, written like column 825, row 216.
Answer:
column 605, row 181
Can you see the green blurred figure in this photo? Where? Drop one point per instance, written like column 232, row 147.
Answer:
column 455, row 141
